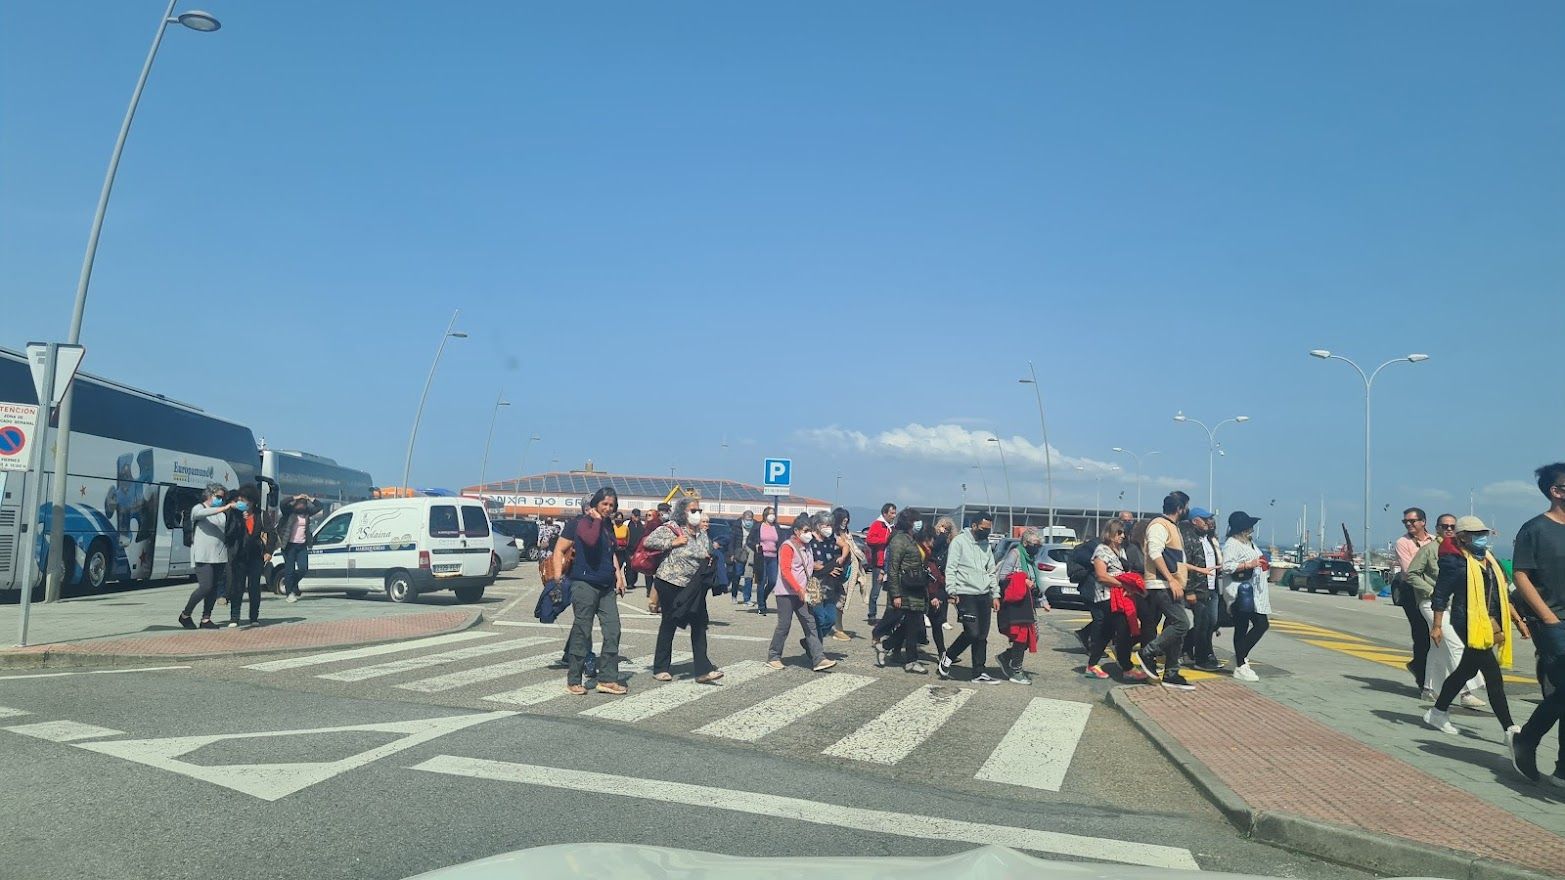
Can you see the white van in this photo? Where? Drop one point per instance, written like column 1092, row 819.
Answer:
column 404, row 546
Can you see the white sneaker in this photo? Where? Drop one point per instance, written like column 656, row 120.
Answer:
column 946, row 625
column 1441, row 721
column 1245, row 673
column 1510, row 735
column 1428, row 696
column 292, row 597
column 1471, row 701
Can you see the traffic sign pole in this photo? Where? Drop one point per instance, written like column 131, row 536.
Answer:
column 32, row 493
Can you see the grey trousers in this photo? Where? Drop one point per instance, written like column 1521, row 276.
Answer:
column 589, row 601
column 1177, row 623
column 790, row 606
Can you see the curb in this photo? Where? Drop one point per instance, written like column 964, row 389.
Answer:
column 27, row 658
column 1342, row 844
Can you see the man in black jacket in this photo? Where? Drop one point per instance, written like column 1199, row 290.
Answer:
column 1204, row 558
column 293, row 536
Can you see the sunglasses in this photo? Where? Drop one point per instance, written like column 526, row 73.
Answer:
column 1409, row 522
column 695, row 510
column 1446, row 527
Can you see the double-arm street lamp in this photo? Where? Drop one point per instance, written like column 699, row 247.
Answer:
column 1211, row 451
column 1139, row 458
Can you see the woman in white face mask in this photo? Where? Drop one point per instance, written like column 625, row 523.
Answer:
column 764, row 541
column 681, row 589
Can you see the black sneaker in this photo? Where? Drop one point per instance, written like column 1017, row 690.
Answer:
column 1211, row 664
column 985, row 678
column 943, row 668
column 1176, row 681
column 1524, row 757
column 1148, row 661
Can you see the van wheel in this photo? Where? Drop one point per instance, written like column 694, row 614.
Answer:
column 399, row 587
column 469, row 594
column 279, row 586
column 96, row 572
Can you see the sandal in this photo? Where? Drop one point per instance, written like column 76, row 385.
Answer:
column 710, row 677
column 613, row 688
column 576, row 690
column 662, row 676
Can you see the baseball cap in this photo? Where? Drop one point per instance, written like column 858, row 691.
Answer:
column 1200, row 513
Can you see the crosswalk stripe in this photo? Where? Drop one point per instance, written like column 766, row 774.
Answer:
column 659, row 700
column 8, row 712
column 360, row 673
column 465, row 677
column 775, row 713
column 64, row 731
column 369, row 651
column 1037, row 750
column 565, row 631
column 544, row 691
column 895, row 733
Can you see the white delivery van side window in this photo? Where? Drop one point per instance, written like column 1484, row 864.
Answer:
column 474, row 523
column 443, row 522
column 335, row 531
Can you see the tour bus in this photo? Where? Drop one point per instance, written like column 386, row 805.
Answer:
column 139, row 462
column 321, row 478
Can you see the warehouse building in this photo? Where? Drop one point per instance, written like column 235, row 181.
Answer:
column 561, row 494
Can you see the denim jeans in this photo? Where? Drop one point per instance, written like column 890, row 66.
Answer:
column 296, row 564
column 874, row 591
column 975, row 614
column 825, row 618
column 1198, row 643
column 739, row 583
column 768, row 581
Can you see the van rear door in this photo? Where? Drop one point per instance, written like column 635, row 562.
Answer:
column 480, row 542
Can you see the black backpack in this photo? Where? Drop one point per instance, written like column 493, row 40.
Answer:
column 1078, row 567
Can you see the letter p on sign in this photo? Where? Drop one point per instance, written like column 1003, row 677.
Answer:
column 777, row 476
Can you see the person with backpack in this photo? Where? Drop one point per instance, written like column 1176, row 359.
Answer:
column 293, row 534
column 684, row 555
column 1111, row 591
column 250, row 546
column 209, row 553
column 907, row 590
column 596, row 583
column 1080, row 571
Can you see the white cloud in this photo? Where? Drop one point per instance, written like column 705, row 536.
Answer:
column 1511, row 492
column 956, row 444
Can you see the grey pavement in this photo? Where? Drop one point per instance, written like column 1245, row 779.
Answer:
column 150, row 817
column 1374, row 701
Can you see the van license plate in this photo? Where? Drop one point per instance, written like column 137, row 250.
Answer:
column 448, row 569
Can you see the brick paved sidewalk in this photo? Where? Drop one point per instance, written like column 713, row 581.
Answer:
column 1279, row 761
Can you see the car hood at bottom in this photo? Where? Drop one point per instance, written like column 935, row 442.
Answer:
column 623, row 861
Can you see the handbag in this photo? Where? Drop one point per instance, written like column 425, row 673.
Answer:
column 813, row 594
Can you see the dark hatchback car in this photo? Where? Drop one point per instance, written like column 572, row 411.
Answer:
column 1335, row 575
column 523, row 531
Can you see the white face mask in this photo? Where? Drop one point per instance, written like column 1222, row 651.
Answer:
column 771, row 518
column 826, row 533
column 694, row 517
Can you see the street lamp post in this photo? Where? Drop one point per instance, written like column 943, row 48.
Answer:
column 1097, row 509
column 1369, row 383
column 483, row 469
column 836, row 494
column 985, row 480
column 451, row 333
column 1010, row 503
column 1138, row 458
column 1048, row 454
column 1211, row 452
column 195, row 20
column 720, row 480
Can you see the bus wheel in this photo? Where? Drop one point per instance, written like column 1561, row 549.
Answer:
column 95, row 574
column 399, row 587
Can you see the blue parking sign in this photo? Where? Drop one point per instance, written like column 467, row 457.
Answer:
column 777, row 476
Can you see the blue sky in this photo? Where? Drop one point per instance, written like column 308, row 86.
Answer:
column 831, row 231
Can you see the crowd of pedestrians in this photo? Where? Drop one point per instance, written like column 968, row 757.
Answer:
column 232, row 538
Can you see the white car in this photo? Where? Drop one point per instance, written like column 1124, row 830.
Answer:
column 1057, row 588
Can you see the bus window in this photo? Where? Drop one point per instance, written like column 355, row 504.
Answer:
column 177, row 504
column 442, row 521
column 474, row 523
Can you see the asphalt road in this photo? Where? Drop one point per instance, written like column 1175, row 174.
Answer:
column 385, row 765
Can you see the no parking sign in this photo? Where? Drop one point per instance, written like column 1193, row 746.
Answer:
column 16, row 433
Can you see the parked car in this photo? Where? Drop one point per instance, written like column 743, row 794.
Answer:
column 1058, row 589
column 1336, row 575
column 403, row 547
column 522, row 532
column 507, row 556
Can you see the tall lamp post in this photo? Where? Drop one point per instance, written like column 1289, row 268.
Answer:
column 1097, row 509
column 451, row 333
column 836, row 495
column 1010, row 503
column 1139, row 458
column 1048, row 454
column 195, row 20
column 1369, row 383
column 989, row 505
column 720, row 479
column 483, row 469
column 1211, row 451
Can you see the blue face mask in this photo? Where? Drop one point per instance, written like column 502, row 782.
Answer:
column 1480, row 544
column 242, row 506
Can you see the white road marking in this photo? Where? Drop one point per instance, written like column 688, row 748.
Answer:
column 585, row 784
column 271, row 782
column 369, row 651
column 63, row 731
column 895, row 733
column 90, row 672
column 566, row 631
column 8, row 712
column 1037, row 750
column 360, row 673
column 465, row 677
column 545, row 691
column 775, row 713
column 659, row 700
